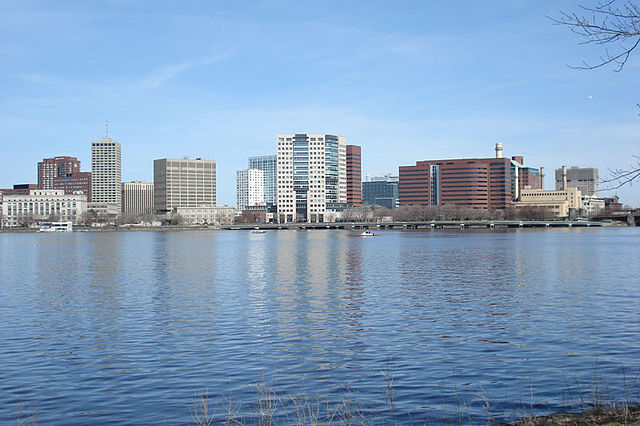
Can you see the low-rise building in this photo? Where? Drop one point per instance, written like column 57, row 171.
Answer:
column 219, row 215
column 591, row 205
column 42, row 204
column 562, row 202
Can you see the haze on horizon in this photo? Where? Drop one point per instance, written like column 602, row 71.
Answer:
column 220, row 80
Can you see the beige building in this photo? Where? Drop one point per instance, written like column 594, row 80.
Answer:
column 137, row 198
column 311, row 176
column 221, row 215
column 42, row 204
column 560, row 201
column 183, row 183
column 106, row 176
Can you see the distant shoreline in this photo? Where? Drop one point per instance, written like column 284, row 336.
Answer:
column 450, row 225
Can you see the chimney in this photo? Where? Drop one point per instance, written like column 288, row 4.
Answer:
column 564, row 178
column 542, row 178
column 498, row 150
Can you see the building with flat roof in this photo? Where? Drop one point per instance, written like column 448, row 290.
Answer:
column 562, row 202
column 312, row 176
column 216, row 215
column 183, row 183
column 137, row 198
column 42, row 204
column 583, row 178
column 354, row 175
column 269, row 166
column 481, row 183
column 250, row 188
column 106, row 175
column 381, row 191
column 64, row 173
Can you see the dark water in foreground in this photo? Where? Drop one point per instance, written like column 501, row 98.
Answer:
column 128, row 327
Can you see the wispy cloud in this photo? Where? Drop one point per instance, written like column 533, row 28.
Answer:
column 168, row 72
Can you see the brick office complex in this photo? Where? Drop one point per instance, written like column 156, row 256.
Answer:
column 64, row 173
column 482, row 183
column 354, row 175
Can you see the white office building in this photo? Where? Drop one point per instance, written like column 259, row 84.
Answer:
column 268, row 164
column 42, row 204
column 312, row 176
column 106, row 176
column 250, row 188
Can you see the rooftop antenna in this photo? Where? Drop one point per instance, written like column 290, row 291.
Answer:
column 106, row 129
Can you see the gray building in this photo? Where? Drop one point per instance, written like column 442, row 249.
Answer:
column 269, row 165
column 183, row 183
column 137, row 198
column 381, row 191
column 583, row 178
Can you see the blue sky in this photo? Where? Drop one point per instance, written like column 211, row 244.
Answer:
column 406, row 80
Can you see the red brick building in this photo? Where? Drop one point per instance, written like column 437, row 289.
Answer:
column 64, row 173
column 483, row 183
column 354, row 175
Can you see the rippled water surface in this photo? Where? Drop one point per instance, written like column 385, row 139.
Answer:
column 128, row 327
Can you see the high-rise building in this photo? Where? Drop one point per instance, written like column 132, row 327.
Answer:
column 268, row 164
column 106, row 176
column 312, row 176
column 381, row 191
column 183, row 183
column 137, row 198
column 64, row 173
column 486, row 183
column 250, row 188
column 354, row 175
column 583, row 178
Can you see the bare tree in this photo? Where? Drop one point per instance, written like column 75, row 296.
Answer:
column 613, row 24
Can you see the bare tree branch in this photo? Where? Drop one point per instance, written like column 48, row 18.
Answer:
column 612, row 23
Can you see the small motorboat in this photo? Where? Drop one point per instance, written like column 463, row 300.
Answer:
column 258, row 231
column 366, row 233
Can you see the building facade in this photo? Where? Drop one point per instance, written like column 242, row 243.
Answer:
column 183, row 183
column 137, row 198
column 354, row 175
column 312, row 176
column 42, row 204
column 250, row 188
column 583, row 178
column 64, row 173
column 19, row 189
column 481, row 183
column 381, row 191
column 221, row 215
column 106, row 176
column 269, row 165
column 562, row 202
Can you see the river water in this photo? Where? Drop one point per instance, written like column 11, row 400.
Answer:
column 130, row 327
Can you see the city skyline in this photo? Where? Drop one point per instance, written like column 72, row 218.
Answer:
column 404, row 85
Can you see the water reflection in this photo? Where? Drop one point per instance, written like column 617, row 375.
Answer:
column 134, row 324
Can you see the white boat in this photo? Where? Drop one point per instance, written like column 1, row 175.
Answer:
column 366, row 233
column 56, row 227
column 258, row 231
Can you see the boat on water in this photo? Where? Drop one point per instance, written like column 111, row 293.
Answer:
column 258, row 231
column 56, row 227
column 366, row 233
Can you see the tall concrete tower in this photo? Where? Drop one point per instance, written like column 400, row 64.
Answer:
column 106, row 176
column 498, row 150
